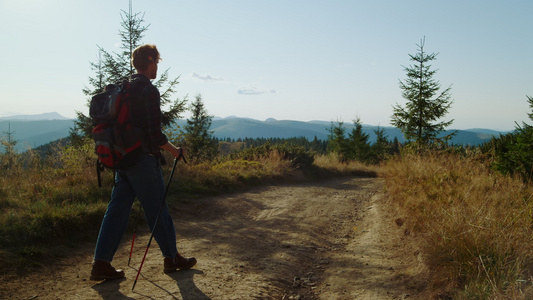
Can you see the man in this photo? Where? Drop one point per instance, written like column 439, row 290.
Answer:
column 142, row 178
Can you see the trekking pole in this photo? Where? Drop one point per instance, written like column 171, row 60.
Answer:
column 134, row 232
column 157, row 218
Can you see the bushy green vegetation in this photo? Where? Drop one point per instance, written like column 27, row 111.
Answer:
column 355, row 145
column 316, row 145
column 513, row 152
column 45, row 202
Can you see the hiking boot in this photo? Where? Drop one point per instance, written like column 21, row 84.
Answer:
column 103, row 270
column 178, row 262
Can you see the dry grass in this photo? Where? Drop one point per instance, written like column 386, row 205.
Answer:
column 222, row 176
column 476, row 224
column 215, row 177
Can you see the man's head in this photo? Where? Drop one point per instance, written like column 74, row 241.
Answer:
column 145, row 59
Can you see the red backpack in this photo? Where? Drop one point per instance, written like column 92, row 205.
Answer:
column 114, row 133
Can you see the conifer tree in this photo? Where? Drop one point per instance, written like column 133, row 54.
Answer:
column 8, row 143
column 395, row 146
column 359, row 147
column 198, row 139
column 353, row 147
column 530, row 114
column 337, row 142
column 420, row 118
column 381, row 147
column 113, row 67
column 513, row 152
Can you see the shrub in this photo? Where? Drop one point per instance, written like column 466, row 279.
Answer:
column 513, row 152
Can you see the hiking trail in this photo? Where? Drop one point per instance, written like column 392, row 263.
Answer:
column 334, row 239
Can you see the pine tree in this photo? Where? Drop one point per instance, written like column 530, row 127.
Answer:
column 395, row 146
column 419, row 118
column 353, row 147
column 116, row 67
column 337, row 142
column 359, row 148
column 198, row 139
column 8, row 143
column 530, row 114
column 513, row 152
column 381, row 147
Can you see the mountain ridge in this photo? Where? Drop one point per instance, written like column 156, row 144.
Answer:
column 37, row 117
column 31, row 131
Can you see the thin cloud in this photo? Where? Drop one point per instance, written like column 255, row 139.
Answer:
column 207, row 77
column 254, row 90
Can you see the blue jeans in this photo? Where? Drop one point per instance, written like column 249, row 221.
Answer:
column 144, row 180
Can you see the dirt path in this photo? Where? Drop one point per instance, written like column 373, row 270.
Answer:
column 332, row 240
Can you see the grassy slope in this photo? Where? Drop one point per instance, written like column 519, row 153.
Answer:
column 476, row 224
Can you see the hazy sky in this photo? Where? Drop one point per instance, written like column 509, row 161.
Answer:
column 300, row 60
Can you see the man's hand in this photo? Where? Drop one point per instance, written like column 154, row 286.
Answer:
column 177, row 152
column 181, row 152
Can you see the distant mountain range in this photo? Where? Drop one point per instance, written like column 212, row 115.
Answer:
column 234, row 128
column 31, row 131
column 38, row 117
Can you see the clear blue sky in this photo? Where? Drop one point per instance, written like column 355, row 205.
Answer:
column 299, row 60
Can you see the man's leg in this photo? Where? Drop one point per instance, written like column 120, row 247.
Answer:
column 147, row 181
column 151, row 192
column 112, row 229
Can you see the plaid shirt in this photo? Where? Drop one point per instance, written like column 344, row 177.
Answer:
column 146, row 113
